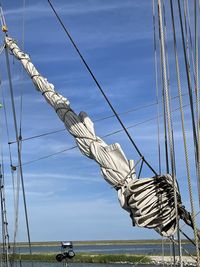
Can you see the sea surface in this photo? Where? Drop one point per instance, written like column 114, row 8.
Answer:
column 142, row 249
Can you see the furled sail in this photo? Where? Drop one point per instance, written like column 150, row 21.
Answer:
column 149, row 201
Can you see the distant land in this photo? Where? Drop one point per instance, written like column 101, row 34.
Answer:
column 99, row 242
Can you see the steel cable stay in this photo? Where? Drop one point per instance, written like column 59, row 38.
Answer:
column 107, row 135
column 196, row 13
column 184, row 131
column 4, row 221
column 167, row 113
column 101, row 89
column 4, row 28
column 164, row 105
column 157, row 89
column 99, row 120
column 158, row 109
column 5, row 233
column 168, row 117
column 15, row 185
column 189, row 91
column 190, row 46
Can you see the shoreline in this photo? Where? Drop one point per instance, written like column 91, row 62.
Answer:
column 108, row 258
column 168, row 260
column 98, row 242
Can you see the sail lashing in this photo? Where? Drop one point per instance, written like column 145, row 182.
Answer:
column 149, row 201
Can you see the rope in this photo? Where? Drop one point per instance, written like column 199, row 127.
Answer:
column 101, row 119
column 5, row 232
column 100, row 89
column 197, row 90
column 6, row 243
column 18, row 146
column 183, row 132
column 107, row 135
column 168, row 112
column 22, row 71
column 189, row 86
column 187, row 25
column 157, row 94
column 12, row 169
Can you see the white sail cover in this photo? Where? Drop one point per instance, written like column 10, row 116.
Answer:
column 149, row 201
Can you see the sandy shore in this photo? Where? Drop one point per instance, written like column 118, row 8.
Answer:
column 189, row 261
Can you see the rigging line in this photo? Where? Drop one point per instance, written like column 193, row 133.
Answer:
column 50, row 155
column 157, row 94
column 18, row 147
column 195, row 134
column 164, row 108
column 186, row 224
column 169, row 121
column 188, row 83
column 14, row 187
column 189, row 239
column 197, row 88
column 22, row 71
column 12, row 168
column 6, row 245
column 168, row 71
column 5, row 233
column 20, row 134
column 97, row 120
column 187, row 19
column 101, row 90
column 107, row 135
column 186, row 251
column 184, row 133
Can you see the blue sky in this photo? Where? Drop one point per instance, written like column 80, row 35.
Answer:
column 67, row 198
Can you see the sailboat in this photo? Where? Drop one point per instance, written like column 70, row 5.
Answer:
column 154, row 202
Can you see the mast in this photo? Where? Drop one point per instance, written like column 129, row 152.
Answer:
column 5, row 30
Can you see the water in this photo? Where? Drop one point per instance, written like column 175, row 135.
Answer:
column 142, row 249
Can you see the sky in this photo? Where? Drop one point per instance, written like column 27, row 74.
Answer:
column 67, row 198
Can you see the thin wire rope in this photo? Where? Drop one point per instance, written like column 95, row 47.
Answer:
column 163, row 106
column 12, row 169
column 97, row 120
column 169, row 121
column 5, row 232
column 107, row 135
column 197, row 89
column 190, row 42
column 18, row 147
column 101, row 89
column 168, row 82
column 4, row 218
column 189, row 86
column 184, row 133
column 188, row 37
column 20, row 134
column 22, row 70
column 157, row 94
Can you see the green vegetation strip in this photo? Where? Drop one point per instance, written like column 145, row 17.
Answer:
column 99, row 242
column 88, row 258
